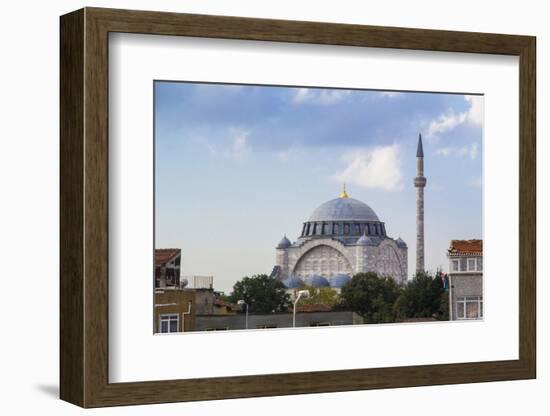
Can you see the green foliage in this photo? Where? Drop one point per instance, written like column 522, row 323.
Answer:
column 323, row 296
column 443, row 312
column 377, row 299
column 371, row 296
column 424, row 297
column 262, row 294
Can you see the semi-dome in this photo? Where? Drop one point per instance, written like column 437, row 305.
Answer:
column 344, row 209
column 316, row 281
column 340, row 280
column 284, row 243
column 366, row 240
column 401, row 243
column 293, row 282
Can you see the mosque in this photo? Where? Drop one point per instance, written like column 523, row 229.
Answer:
column 343, row 237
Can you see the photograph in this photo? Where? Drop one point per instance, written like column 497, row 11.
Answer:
column 291, row 206
column 361, row 191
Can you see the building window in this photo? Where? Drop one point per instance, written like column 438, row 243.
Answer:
column 346, row 229
column 336, row 229
column 455, row 265
column 169, row 323
column 471, row 265
column 469, row 307
column 308, row 227
column 324, row 230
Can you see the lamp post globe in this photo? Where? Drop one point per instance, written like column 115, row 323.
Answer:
column 241, row 302
column 302, row 294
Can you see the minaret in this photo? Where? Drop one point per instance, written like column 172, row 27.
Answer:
column 419, row 183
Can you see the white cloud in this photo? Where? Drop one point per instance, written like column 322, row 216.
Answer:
column 231, row 143
column 212, row 149
column 470, row 151
column 379, row 167
column 301, row 95
column 240, row 149
column 285, row 155
column 473, row 151
column 448, row 121
column 476, row 182
column 318, row 96
column 390, row 94
column 475, row 113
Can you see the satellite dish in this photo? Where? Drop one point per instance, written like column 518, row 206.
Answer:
column 183, row 283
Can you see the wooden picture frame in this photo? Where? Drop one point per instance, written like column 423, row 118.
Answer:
column 84, row 207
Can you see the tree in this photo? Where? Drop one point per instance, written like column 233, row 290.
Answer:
column 262, row 294
column 322, row 295
column 371, row 296
column 424, row 297
column 443, row 313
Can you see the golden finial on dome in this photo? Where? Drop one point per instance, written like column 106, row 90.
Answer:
column 344, row 194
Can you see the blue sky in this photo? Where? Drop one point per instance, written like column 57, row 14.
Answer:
column 238, row 167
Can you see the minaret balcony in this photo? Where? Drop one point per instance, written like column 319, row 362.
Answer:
column 420, row 181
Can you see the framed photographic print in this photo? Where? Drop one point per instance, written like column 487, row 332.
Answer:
column 255, row 207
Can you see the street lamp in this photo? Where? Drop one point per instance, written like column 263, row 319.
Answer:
column 301, row 294
column 241, row 303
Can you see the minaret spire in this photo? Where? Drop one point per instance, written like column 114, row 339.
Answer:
column 419, row 149
column 419, row 183
column 344, row 194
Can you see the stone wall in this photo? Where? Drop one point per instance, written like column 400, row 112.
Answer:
column 275, row 320
column 465, row 284
column 329, row 257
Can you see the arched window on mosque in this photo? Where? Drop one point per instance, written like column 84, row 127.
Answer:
column 336, row 228
column 346, row 229
column 324, row 230
column 315, row 266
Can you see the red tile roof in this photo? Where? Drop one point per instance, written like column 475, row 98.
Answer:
column 220, row 302
column 164, row 255
column 466, row 247
column 314, row 307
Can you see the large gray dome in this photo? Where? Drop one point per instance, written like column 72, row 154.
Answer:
column 344, row 219
column 344, row 209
